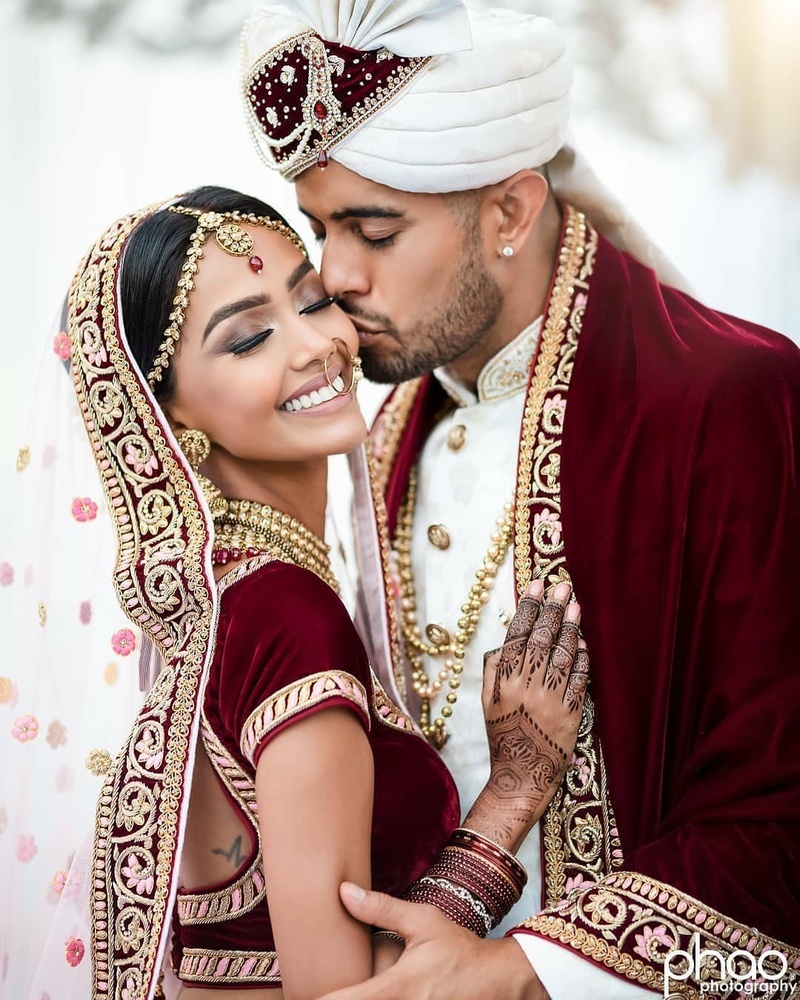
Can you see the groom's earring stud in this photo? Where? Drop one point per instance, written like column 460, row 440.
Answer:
column 507, row 251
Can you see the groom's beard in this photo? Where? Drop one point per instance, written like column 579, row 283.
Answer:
column 468, row 311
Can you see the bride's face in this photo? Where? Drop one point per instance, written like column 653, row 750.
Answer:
column 250, row 358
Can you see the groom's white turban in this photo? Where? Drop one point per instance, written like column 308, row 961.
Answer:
column 425, row 96
column 419, row 95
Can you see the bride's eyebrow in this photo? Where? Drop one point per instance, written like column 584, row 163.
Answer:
column 298, row 274
column 251, row 301
column 232, row 308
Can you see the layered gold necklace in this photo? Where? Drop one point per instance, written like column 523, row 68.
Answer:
column 441, row 641
column 244, row 528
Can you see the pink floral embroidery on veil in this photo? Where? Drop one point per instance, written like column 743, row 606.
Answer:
column 84, row 509
column 94, row 349
column 135, row 459
column 136, row 876
column 56, row 734
column 25, row 728
column 62, row 346
column 26, row 847
column 6, row 574
column 123, row 642
column 75, row 951
column 130, row 991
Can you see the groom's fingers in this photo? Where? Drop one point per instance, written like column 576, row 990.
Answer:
column 409, row 920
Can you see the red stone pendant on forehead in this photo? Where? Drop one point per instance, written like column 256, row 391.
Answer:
column 256, row 264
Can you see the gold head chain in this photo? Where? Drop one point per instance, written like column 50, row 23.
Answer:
column 233, row 239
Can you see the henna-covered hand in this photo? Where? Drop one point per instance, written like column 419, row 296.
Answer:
column 534, row 688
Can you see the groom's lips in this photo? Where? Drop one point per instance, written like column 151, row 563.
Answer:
column 365, row 332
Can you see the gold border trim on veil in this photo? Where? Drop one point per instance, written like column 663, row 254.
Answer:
column 164, row 586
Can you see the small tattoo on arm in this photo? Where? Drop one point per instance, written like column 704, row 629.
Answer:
column 234, row 855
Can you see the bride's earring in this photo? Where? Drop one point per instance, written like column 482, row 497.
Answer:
column 196, row 446
column 356, row 372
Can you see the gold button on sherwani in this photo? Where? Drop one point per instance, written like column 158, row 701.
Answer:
column 457, row 437
column 439, row 536
column 438, row 635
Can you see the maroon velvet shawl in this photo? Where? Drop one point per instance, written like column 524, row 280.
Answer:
column 679, row 480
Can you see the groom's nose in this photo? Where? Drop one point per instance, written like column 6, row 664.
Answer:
column 344, row 269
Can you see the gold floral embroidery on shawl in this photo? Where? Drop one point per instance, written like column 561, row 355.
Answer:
column 621, row 920
column 579, row 835
column 630, row 924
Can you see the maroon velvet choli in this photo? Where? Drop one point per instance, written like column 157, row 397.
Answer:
column 286, row 648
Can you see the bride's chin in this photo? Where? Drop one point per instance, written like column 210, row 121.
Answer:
column 347, row 438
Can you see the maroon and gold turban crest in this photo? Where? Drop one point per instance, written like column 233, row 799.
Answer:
column 306, row 95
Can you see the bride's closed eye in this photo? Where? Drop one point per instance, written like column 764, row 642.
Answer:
column 249, row 343
column 323, row 303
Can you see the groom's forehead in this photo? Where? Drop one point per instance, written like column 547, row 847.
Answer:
column 338, row 193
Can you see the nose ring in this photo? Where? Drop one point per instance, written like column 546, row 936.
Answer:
column 356, row 374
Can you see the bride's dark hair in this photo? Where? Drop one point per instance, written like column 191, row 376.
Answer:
column 151, row 269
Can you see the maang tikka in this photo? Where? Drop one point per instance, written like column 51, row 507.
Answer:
column 230, row 237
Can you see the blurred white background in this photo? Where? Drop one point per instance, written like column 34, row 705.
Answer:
column 689, row 110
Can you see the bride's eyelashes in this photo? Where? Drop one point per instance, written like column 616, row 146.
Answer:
column 329, row 300
column 248, row 344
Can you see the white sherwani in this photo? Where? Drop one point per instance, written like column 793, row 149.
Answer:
column 467, row 474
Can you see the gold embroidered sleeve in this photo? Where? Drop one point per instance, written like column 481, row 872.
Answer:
column 297, row 699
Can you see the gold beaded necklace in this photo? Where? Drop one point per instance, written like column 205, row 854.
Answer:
column 244, row 527
column 441, row 641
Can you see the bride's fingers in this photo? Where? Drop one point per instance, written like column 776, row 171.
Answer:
column 526, row 613
column 562, row 654
column 500, row 667
column 546, row 629
column 491, row 661
column 575, row 693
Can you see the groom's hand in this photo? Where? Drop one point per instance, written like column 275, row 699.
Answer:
column 441, row 961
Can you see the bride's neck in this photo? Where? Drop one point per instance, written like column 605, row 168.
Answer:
column 296, row 488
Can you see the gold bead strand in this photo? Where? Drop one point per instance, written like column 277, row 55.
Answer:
column 455, row 650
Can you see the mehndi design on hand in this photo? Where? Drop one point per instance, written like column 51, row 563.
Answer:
column 533, row 694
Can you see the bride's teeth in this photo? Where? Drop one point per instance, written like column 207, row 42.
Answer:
column 315, row 397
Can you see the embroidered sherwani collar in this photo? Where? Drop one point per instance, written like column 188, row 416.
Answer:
column 504, row 375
